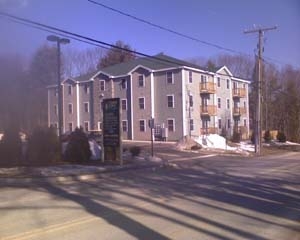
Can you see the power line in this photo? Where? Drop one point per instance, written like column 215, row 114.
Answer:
column 166, row 29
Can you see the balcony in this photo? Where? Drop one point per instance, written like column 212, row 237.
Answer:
column 209, row 130
column 207, row 88
column 239, row 92
column 238, row 111
column 209, row 110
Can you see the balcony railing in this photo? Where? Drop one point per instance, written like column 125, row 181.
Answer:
column 238, row 111
column 239, row 92
column 208, row 110
column 208, row 87
column 209, row 130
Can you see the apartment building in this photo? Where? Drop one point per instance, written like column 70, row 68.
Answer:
column 182, row 97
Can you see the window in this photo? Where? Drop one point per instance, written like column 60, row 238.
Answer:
column 86, row 126
column 220, row 123
column 142, row 125
column 170, row 101
column 124, row 84
column 228, row 123
column 203, row 79
column 228, row 83
column 124, row 126
column 219, row 102
column 169, row 78
column 190, row 76
column 244, row 85
column 141, row 81
column 70, row 127
column 219, row 82
column 86, row 88
column 124, row 104
column 228, row 103
column 192, row 124
column 70, row 107
column 245, row 122
column 55, row 92
column 70, row 89
column 142, row 103
column 102, row 85
column 55, row 109
column 191, row 102
column 245, row 104
column 171, row 125
column 86, row 107
column 99, row 126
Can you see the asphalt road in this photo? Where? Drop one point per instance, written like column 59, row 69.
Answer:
column 206, row 198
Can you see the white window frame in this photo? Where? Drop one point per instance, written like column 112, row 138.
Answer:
column 203, row 79
column 126, row 126
column 86, row 88
column 56, row 109
column 190, row 77
column 227, row 103
column 173, row 100
column 88, row 126
column 144, row 104
column 220, row 123
column 70, row 90
column 124, row 99
column 171, row 119
column 72, row 125
column 142, row 120
column 227, row 84
column 100, row 86
column 70, row 104
column 124, row 86
column 143, row 80
column 192, row 125
column 219, row 102
column 99, row 126
column 172, row 77
column 218, row 81
column 88, row 107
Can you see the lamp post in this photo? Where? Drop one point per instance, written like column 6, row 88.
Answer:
column 58, row 40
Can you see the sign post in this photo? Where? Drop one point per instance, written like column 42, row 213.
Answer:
column 112, row 142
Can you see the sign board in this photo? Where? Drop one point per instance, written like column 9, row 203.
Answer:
column 111, row 122
column 112, row 144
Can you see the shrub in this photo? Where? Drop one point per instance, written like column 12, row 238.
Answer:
column 281, row 137
column 78, row 149
column 236, row 137
column 135, row 151
column 267, row 136
column 11, row 147
column 43, row 147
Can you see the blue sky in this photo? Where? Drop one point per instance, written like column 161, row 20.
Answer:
column 219, row 22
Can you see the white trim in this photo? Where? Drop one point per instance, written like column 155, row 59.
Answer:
column 139, row 66
column 99, row 123
column 152, row 95
column 173, row 100
column 78, row 106
column 131, row 108
column 49, row 107
column 241, row 80
column 68, row 79
column 226, row 69
column 144, row 103
column 184, row 123
column 100, row 72
column 122, row 104
column 145, row 124
column 174, row 124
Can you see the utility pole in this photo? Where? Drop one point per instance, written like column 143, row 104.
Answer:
column 260, row 32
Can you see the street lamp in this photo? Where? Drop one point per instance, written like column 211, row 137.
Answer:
column 58, row 40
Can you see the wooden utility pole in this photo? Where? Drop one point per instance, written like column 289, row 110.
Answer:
column 260, row 32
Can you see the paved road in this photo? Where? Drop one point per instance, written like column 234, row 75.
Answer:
column 205, row 198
